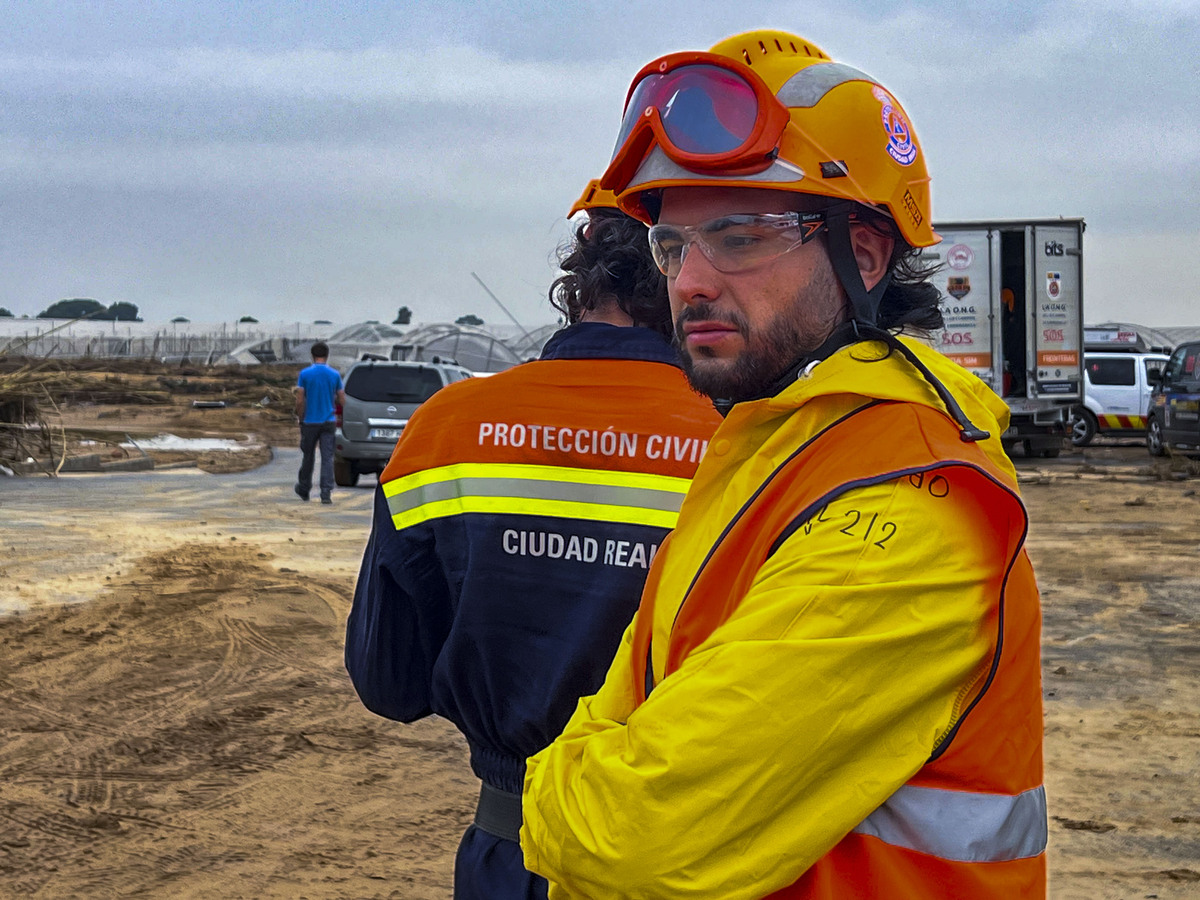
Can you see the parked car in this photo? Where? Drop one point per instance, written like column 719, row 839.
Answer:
column 1173, row 419
column 380, row 397
column 1116, row 394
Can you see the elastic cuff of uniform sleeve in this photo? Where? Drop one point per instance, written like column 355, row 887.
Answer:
column 529, row 847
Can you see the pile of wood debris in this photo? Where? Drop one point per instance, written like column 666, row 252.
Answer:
column 29, row 413
column 35, row 394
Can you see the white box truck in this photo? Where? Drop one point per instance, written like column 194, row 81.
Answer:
column 1012, row 300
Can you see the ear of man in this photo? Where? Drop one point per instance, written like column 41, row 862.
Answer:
column 872, row 251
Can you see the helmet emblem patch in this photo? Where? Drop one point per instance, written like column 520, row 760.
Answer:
column 900, row 146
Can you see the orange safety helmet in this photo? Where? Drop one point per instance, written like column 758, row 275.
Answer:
column 594, row 197
column 821, row 127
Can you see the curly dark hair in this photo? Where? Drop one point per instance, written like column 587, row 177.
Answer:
column 609, row 261
column 909, row 302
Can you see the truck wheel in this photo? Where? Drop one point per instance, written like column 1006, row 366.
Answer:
column 1154, row 438
column 1083, row 426
column 344, row 472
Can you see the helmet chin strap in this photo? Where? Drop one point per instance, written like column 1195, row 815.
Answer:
column 841, row 254
column 861, row 327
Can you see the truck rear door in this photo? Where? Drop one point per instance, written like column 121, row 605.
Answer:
column 1057, row 289
column 967, row 283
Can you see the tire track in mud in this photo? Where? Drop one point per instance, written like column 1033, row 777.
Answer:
column 203, row 649
column 1117, row 569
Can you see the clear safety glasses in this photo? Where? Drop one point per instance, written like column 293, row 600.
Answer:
column 734, row 243
column 705, row 111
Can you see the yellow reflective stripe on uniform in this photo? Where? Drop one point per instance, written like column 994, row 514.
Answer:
column 961, row 825
column 634, row 498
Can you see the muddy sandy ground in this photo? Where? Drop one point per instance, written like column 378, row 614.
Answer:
column 183, row 727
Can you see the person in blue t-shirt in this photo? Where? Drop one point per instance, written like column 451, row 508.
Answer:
column 318, row 391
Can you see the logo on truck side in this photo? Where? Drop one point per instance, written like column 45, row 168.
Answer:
column 957, row 338
column 960, row 257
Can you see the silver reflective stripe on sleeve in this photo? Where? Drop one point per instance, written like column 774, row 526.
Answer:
column 807, row 87
column 523, row 489
column 633, row 498
column 962, row 826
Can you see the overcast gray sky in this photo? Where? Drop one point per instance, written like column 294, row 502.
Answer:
column 338, row 160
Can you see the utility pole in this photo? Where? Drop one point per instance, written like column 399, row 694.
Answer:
column 499, row 304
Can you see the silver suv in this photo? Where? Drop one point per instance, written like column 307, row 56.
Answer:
column 380, row 396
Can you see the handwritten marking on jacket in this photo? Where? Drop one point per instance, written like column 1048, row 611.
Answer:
column 937, row 486
column 590, row 441
column 854, row 523
column 553, row 545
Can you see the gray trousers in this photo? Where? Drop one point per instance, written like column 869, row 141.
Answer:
column 310, row 436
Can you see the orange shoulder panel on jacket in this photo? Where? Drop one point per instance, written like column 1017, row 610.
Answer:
column 622, row 415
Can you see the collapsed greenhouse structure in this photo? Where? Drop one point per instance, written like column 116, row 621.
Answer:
column 483, row 348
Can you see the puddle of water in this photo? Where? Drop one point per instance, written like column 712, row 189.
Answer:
column 175, row 442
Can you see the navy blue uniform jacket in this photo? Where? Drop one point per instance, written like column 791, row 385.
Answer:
column 512, row 533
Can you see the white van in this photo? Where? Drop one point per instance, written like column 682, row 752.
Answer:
column 1116, row 394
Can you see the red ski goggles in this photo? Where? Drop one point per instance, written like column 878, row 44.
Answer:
column 706, row 112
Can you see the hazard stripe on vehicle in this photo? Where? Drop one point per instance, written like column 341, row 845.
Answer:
column 634, row 498
column 1115, row 423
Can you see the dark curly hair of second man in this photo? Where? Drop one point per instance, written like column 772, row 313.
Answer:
column 610, row 260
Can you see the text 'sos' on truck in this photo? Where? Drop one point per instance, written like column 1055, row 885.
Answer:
column 1012, row 300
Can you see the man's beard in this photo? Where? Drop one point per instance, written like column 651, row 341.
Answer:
column 768, row 354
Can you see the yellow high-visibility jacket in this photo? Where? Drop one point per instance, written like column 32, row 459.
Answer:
column 825, row 689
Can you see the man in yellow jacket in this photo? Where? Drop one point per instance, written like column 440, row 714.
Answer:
column 832, row 686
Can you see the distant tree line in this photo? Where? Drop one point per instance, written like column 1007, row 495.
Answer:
column 84, row 308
